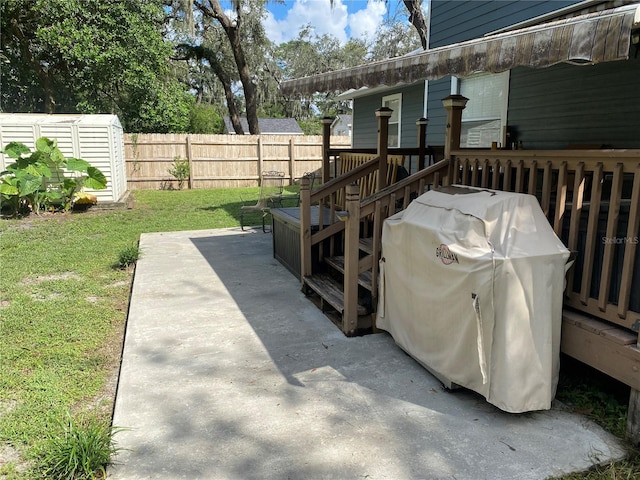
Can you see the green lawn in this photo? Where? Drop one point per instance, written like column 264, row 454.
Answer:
column 63, row 307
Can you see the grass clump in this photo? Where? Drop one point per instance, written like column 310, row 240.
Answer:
column 80, row 450
column 128, row 256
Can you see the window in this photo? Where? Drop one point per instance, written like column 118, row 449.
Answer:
column 485, row 116
column 394, row 102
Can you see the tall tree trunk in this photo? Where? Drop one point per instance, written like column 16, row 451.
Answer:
column 416, row 18
column 213, row 9
column 248, row 86
column 199, row 52
column 234, row 115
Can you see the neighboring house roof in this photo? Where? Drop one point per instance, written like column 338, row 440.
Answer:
column 341, row 125
column 287, row 126
column 588, row 38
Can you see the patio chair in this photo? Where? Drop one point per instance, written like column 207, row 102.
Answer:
column 271, row 186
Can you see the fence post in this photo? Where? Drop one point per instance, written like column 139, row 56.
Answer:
column 260, row 160
column 383, row 114
column 453, row 104
column 351, row 247
column 189, row 159
column 422, row 140
column 326, row 145
column 292, row 160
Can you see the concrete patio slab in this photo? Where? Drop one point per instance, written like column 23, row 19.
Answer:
column 229, row 372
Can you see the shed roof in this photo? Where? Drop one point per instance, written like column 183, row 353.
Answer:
column 584, row 39
column 47, row 118
column 268, row 126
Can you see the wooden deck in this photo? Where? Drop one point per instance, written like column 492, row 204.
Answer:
column 592, row 200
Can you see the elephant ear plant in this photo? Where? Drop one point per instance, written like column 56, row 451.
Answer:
column 44, row 179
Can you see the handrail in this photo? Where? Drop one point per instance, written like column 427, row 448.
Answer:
column 441, row 167
column 335, row 184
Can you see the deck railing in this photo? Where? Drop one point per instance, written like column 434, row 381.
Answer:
column 592, row 200
column 590, row 197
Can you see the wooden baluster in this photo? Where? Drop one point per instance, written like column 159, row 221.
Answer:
column 545, row 201
column 612, row 229
column 576, row 213
column 533, row 178
column 519, row 177
column 630, row 246
column 561, row 199
column 508, row 170
column 485, row 174
column 407, row 197
column 475, row 171
column 495, row 179
column 465, row 172
column 592, row 233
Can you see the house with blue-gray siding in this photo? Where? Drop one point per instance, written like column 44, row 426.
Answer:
column 558, row 106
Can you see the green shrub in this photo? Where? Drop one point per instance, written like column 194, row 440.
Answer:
column 81, row 450
column 180, row 171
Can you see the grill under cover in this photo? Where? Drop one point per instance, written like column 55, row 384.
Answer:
column 471, row 286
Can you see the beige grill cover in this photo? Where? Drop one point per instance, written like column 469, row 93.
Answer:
column 471, row 287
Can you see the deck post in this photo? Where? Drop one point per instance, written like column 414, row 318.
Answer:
column 351, row 241
column 383, row 114
column 305, row 229
column 453, row 104
column 633, row 414
column 422, row 140
column 326, row 145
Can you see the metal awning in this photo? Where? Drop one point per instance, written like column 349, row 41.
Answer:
column 590, row 38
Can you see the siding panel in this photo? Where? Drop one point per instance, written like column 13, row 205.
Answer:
column 365, row 123
column 455, row 21
column 565, row 104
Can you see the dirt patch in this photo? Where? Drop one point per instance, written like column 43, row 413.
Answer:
column 10, row 455
column 50, row 278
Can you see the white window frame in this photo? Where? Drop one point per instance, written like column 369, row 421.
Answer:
column 396, row 117
column 499, row 114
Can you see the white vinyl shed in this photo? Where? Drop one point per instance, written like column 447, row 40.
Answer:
column 98, row 139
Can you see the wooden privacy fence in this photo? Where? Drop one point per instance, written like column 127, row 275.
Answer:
column 220, row 160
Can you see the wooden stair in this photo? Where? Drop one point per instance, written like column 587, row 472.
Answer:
column 337, row 262
column 366, row 245
column 330, row 291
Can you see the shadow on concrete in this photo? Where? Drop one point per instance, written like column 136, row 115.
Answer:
column 230, row 372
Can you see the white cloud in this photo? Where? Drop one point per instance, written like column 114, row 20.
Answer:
column 335, row 21
column 273, row 29
column 365, row 22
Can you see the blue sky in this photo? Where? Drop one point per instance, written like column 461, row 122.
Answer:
column 348, row 18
